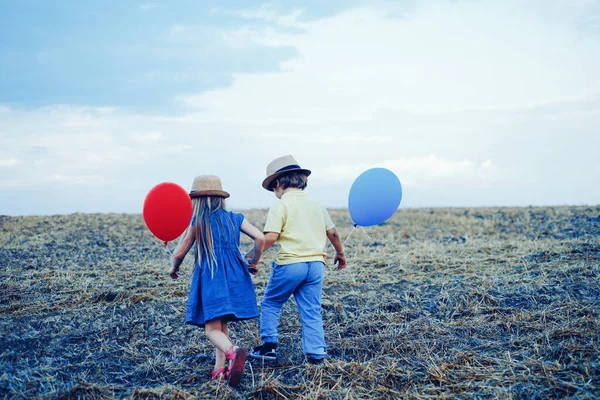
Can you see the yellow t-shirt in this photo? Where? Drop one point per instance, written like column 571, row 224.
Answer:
column 302, row 224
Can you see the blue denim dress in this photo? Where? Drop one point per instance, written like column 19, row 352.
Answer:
column 226, row 291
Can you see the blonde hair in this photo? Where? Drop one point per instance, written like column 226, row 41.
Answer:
column 200, row 229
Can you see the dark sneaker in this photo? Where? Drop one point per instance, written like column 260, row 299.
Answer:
column 315, row 361
column 266, row 352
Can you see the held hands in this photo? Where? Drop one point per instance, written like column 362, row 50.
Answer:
column 252, row 264
column 340, row 259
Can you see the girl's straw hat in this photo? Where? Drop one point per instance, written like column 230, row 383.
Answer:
column 207, row 185
column 280, row 166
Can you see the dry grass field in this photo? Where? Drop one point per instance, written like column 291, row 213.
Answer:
column 436, row 303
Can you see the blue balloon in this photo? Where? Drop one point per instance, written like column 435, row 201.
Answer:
column 374, row 197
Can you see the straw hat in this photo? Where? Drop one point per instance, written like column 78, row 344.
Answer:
column 207, row 185
column 280, row 166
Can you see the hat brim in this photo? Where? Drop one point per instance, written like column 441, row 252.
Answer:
column 267, row 182
column 219, row 193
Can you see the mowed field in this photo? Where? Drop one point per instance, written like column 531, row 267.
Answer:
column 435, row 303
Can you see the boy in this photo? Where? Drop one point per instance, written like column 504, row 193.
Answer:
column 301, row 227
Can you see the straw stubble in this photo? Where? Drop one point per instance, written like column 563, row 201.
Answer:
column 437, row 303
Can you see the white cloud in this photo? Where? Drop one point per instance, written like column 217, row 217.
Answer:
column 444, row 57
column 268, row 14
column 82, row 180
column 467, row 102
column 419, row 171
column 77, row 145
column 331, row 138
column 10, row 184
column 145, row 137
column 197, row 38
column 9, row 162
column 175, row 149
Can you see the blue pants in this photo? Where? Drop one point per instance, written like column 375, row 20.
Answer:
column 305, row 281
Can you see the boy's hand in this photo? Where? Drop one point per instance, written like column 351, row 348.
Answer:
column 253, row 268
column 340, row 260
column 340, row 257
column 173, row 272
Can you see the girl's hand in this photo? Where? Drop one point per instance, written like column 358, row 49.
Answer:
column 253, row 268
column 174, row 272
column 252, row 264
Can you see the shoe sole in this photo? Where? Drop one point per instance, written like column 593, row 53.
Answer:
column 237, row 368
column 264, row 358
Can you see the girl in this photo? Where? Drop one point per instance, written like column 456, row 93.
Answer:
column 221, row 288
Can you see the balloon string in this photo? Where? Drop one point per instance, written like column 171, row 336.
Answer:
column 167, row 250
column 348, row 237
column 353, row 229
column 365, row 232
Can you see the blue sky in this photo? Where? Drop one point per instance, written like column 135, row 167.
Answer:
column 129, row 54
column 122, row 53
column 470, row 103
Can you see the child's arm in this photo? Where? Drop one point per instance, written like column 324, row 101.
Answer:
column 270, row 239
column 180, row 251
column 274, row 224
column 253, row 257
column 340, row 257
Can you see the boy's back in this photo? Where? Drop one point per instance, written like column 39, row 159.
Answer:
column 301, row 226
column 302, row 223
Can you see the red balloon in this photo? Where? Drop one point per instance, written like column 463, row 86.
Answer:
column 167, row 211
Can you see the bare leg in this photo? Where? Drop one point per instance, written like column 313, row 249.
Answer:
column 221, row 356
column 219, row 359
column 218, row 334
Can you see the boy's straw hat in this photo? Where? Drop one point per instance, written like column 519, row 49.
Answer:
column 207, row 185
column 280, row 166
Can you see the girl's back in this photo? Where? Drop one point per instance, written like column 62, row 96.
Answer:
column 221, row 285
column 225, row 226
column 221, row 289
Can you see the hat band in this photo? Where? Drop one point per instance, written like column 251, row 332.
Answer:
column 293, row 166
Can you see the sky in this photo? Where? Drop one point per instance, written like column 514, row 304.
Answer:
column 469, row 102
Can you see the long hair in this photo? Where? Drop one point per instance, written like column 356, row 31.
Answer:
column 201, row 231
